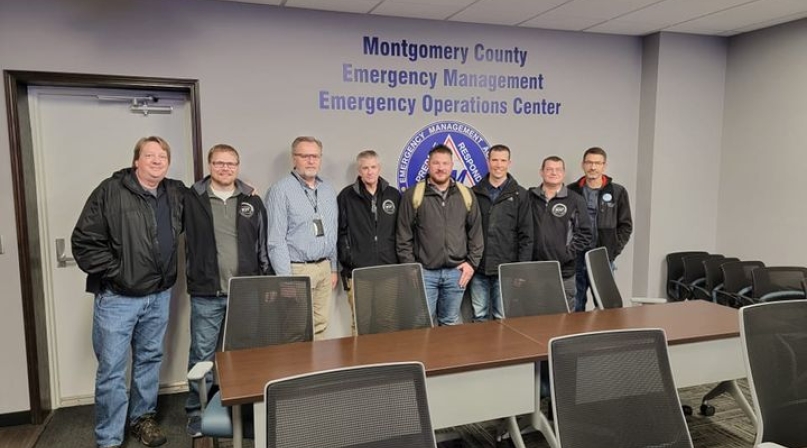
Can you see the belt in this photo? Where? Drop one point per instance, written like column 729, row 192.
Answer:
column 310, row 262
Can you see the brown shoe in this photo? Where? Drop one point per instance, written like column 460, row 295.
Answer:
column 148, row 431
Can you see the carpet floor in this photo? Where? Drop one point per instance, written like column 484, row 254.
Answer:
column 728, row 428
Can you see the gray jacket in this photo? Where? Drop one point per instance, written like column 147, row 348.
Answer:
column 439, row 234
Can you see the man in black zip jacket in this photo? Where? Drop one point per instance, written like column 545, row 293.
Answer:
column 368, row 213
column 609, row 210
column 562, row 226
column 126, row 241
column 225, row 232
column 506, row 227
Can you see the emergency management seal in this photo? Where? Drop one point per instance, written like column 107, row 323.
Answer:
column 470, row 150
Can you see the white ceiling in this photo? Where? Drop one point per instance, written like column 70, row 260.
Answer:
column 631, row 17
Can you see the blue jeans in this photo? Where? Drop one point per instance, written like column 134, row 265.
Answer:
column 207, row 317
column 485, row 297
column 444, row 294
column 124, row 327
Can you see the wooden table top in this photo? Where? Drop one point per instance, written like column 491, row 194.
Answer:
column 442, row 350
column 683, row 322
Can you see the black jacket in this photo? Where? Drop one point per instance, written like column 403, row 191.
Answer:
column 115, row 238
column 201, row 260
column 506, row 225
column 562, row 227
column 439, row 234
column 614, row 223
column 366, row 232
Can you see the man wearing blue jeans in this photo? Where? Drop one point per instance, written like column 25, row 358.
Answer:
column 507, row 228
column 609, row 212
column 439, row 226
column 225, row 235
column 126, row 242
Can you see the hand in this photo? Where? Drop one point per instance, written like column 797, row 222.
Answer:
column 467, row 272
column 334, row 280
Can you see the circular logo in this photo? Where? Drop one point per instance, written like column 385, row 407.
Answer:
column 607, row 197
column 559, row 210
column 388, row 206
column 470, row 153
column 246, row 210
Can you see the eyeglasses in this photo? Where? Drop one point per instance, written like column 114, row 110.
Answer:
column 308, row 156
column 593, row 163
column 218, row 164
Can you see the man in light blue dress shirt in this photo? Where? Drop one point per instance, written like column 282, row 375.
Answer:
column 303, row 227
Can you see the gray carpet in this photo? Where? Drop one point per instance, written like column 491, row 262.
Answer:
column 728, row 428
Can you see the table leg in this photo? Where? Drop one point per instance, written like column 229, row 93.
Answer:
column 238, row 427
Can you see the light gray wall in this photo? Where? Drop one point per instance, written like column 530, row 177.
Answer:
column 680, row 150
column 761, row 208
column 261, row 67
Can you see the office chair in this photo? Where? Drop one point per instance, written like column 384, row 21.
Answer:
column 714, row 276
column 390, row 298
column 603, row 285
column 261, row 311
column 695, row 275
column 774, row 341
column 532, row 288
column 736, row 290
column 615, row 389
column 675, row 273
column 778, row 283
column 372, row 406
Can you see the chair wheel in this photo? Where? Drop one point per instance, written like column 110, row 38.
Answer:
column 687, row 409
column 708, row 410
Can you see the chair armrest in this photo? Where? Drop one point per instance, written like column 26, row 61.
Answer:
column 648, row 300
column 199, row 370
column 769, row 445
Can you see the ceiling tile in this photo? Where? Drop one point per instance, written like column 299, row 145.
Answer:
column 619, row 26
column 504, row 12
column 602, row 10
column 356, row 6
column 560, row 22
column 421, row 9
column 671, row 12
column 744, row 15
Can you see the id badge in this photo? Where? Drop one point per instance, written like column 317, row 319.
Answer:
column 319, row 229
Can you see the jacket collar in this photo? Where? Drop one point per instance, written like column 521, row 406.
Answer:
column 605, row 181
column 200, row 188
column 358, row 186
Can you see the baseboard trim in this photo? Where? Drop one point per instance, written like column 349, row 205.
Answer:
column 15, row 418
column 165, row 389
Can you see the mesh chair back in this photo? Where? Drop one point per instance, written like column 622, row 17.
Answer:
column 774, row 339
column 603, row 284
column 374, row 406
column 268, row 310
column 615, row 389
column 714, row 273
column 675, row 270
column 390, row 298
column 778, row 283
column 531, row 288
column 737, row 274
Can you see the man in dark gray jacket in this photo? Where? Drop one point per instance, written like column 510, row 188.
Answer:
column 440, row 227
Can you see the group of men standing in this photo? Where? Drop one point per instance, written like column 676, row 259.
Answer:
column 126, row 241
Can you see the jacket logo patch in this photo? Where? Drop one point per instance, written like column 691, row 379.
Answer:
column 388, row 206
column 246, row 210
column 607, row 197
column 559, row 210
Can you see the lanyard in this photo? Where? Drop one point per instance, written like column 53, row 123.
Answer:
column 315, row 202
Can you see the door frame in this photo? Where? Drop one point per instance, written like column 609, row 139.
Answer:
column 16, row 83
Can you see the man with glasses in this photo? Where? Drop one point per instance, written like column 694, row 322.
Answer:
column 562, row 227
column 609, row 211
column 303, row 226
column 225, row 237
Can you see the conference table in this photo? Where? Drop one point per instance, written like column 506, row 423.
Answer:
column 485, row 371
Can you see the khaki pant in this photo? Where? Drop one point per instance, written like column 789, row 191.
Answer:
column 320, row 275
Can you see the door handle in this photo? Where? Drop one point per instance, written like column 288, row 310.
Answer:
column 62, row 260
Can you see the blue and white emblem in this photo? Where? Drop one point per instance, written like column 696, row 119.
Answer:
column 470, row 153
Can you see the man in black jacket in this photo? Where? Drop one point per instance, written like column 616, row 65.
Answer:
column 609, row 210
column 562, row 226
column 506, row 227
column 126, row 241
column 225, row 234
column 368, row 213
